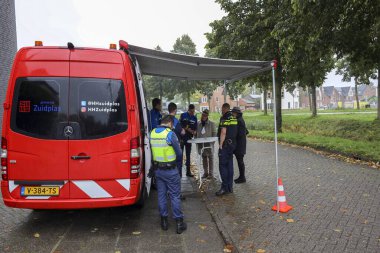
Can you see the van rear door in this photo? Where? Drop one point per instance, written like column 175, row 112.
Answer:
column 37, row 145
column 99, row 146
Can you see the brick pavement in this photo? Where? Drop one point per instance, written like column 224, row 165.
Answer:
column 122, row 229
column 336, row 204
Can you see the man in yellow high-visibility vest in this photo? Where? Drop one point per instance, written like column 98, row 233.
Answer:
column 166, row 150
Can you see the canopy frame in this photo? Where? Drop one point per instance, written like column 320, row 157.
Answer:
column 150, row 61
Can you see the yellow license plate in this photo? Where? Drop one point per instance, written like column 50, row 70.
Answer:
column 39, row 190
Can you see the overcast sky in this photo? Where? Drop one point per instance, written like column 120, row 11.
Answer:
column 97, row 23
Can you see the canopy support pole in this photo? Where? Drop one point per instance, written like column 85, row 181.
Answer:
column 274, row 66
column 225, row 91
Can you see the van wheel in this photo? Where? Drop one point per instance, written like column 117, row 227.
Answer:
column 141, row 202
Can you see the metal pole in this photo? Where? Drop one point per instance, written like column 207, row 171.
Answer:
column 225, row 91
column 274, row 65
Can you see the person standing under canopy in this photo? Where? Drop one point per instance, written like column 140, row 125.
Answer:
column 155, row 114
column 241, row 144
column 189, row 123
column 227, row 133
column 178, row 130
column 206, row 128
column 165, row 150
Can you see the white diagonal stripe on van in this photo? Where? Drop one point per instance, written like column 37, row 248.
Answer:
column 126, row 183
column 92, row 189
column 12, row 185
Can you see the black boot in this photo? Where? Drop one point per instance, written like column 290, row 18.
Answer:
column 240, row 180
column 181, row 226
column 164, row 223
column 221, row 192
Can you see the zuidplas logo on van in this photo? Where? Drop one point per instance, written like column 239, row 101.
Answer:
column 24, row 106
column 43, row 106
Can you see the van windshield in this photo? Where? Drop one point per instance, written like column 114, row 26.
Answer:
column 43, row 107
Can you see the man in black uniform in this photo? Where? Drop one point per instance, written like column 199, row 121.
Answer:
column 227, row 133
column 241, row 144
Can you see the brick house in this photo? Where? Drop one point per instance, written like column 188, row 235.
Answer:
column 334, row 97
column 216, row 101
column 250, row 102
column 366, row 92
column 8, row 45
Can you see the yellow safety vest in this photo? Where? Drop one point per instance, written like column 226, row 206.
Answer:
column 162, row 151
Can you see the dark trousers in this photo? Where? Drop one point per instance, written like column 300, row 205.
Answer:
column 208, row 162
column 241, row 165
column 187, row 147
column 169, row 182
column 226, row 168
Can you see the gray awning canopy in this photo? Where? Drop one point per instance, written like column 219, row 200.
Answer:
column 178, row 66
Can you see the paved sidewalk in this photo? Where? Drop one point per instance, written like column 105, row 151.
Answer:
column 336, row 204
column 124, row 229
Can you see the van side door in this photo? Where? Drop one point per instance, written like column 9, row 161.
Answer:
column 144, row 108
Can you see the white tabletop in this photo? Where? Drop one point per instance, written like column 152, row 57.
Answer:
column 203, row 140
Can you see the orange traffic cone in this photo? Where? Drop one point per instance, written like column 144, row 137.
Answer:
column 284, row 207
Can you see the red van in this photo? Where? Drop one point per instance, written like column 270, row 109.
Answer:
column 75, row 130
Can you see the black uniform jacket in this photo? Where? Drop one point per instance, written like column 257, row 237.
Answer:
column 241, row 145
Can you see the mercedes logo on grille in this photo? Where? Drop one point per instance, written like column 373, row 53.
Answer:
column 68, row 131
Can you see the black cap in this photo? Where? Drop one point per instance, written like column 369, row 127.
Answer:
column 236, row 109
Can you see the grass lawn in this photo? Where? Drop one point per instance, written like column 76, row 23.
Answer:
column 351, row 134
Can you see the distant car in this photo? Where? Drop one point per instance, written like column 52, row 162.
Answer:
column 179, row 111
column 324, row 107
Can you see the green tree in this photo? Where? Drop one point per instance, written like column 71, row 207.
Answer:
column 184, row 45
column 246, row 32
column 356, row 70
column 358, row 33
column 308, row 56
column 352, row 28
column 156, row 86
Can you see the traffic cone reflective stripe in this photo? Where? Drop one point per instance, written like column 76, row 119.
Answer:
column 284, row 207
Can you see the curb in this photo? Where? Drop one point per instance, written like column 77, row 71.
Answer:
column 227, row 239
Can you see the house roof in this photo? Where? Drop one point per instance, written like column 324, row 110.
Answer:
column 251, row 98
column 179, row 66
column 328, row 90
column 361, row 89
column 343, row 90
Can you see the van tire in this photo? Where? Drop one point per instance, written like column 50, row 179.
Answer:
column 143, row 196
